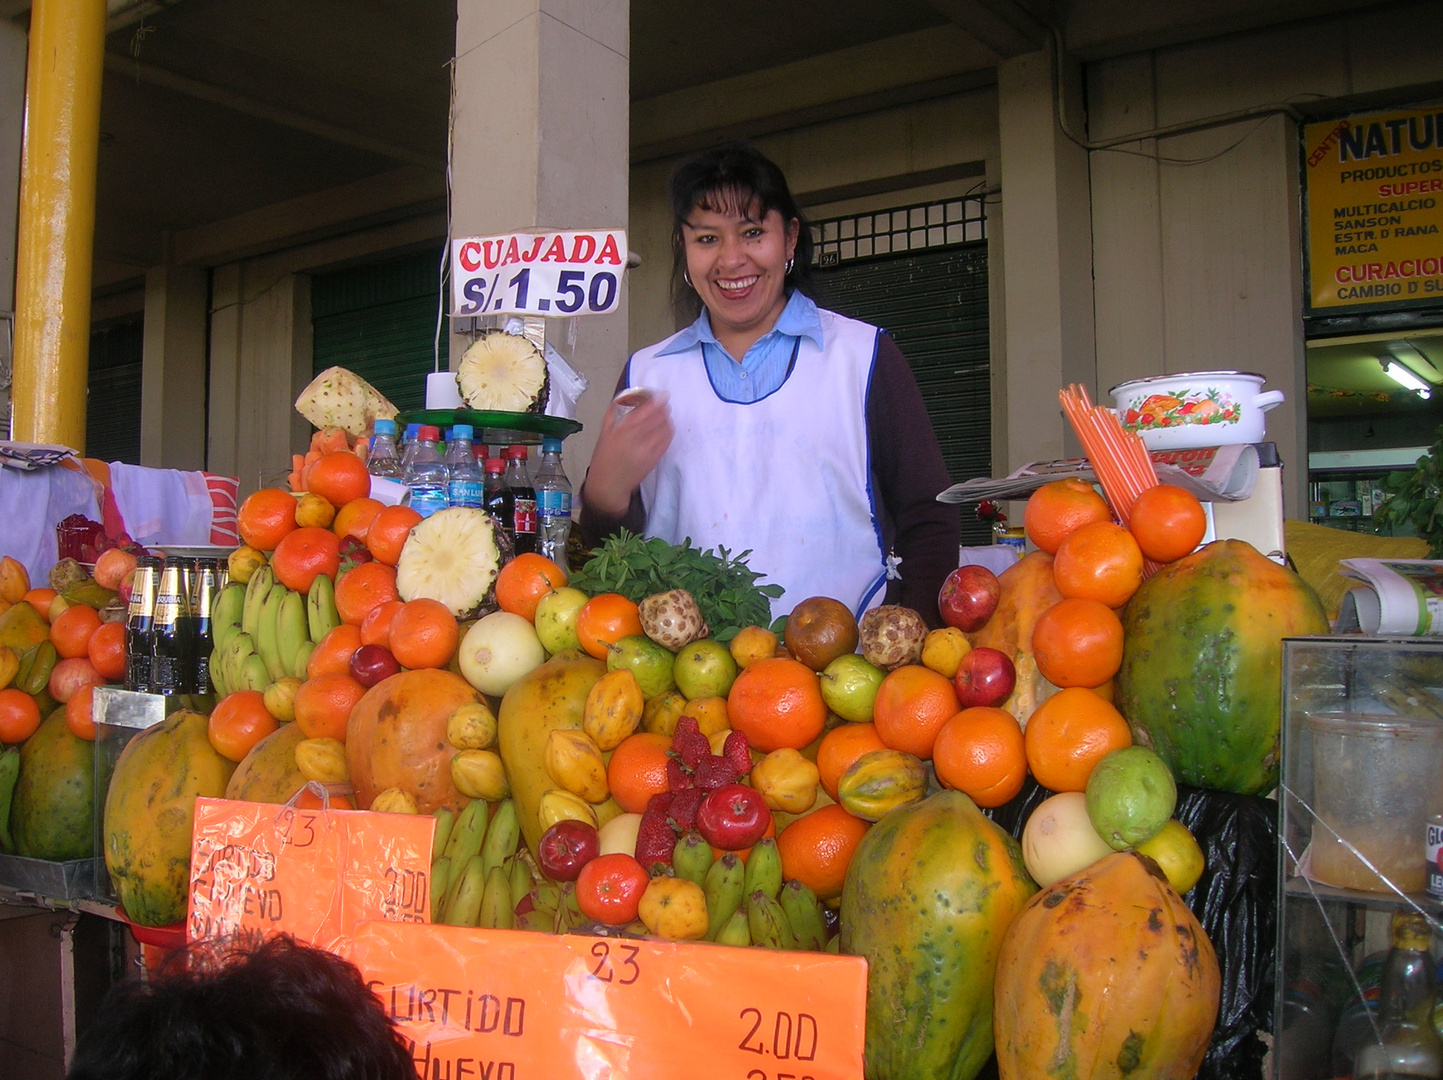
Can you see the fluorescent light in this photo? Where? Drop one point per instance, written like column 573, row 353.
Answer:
column 1404, row 377
column 1408, row 354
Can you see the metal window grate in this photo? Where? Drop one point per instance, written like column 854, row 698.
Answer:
column 899, row 230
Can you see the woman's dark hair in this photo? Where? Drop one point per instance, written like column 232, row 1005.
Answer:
column 733, row 177
column 240, row 1009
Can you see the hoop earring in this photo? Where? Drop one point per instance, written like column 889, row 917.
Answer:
column 685, row 276
column 788, row 270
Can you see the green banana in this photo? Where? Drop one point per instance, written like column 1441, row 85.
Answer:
column 804, row 913
column 498, row 911
column 321, row 614
column 467, row 834
column 463, row 905
column 255, row 674
column 568, row 912
column 232, row 659
column 257, row 589
column 303, row 658
column 725, row 885
column 267, row 642
column 522, row 879
column 547, row 896
column 834, row 946
column 445, row 821
column 36, row 664
column 226, row 612
column 217, row 674
column 9, row 774
column 440, row 885
column 502, row 835
column 764, row 868
column 292, row 632
column 735, row 930
column 691, row 857
column 768, row 922
column 538, row 921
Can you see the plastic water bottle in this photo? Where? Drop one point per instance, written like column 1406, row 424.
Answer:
column 553, row 503
column 408, row 446
column 465, row 485
column 382, row 460
column 523, row 495
column 425, row 475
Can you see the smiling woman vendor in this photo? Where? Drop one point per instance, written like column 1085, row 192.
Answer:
column 773, row 424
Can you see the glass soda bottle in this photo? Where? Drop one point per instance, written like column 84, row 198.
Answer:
column 425, row 475
column 383, row 458
column 523, row 498
column 553, row 503
column 465, row 484
column 1406, row 1046
column 140, row 622
column 207, row 585
column 172, row 648
column 499, row 503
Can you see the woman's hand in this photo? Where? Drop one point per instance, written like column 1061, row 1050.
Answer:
column 631, row 442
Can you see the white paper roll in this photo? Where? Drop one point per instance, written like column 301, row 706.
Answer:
column 441, row 392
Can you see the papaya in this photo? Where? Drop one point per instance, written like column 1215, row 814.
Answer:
column 150, row 814
column 929, row 895
column 1028, row 589
column 396, row 738
column 1106, row 974
column 545, row 698
column 52, row 815
column 269, row 773
column 1201, row 676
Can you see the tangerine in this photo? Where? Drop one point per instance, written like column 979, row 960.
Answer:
column 19, row 716
column 912, row 704
column 980, row 752
column 817, row 848
column 323, row 705
column 524, row 581
column 71, row 631
column 637, row 770
column 604, row 620
column 1099, row 561
column 388, row 532
column 777, row 703
column 40, row 598
column 332, row 654
column 1078, row 642
column 79, row 715
column 376, row 626
column 1068, row 734
column 354, row 519
column 237, row 723
column 840, row 747
column 363, row 588
column 1057, row 508
column 424, row 634
column 339, row 477
column 1168, row 522
column 303, row 553
column 106, row 650
column 265, row 517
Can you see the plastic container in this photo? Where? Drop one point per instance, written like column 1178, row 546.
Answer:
column 553, row 503
column 1376, row 780
column 425, row 474
column 384, row 459
column 465, row 482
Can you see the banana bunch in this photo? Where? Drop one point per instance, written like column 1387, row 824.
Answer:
column 477, row 872
column 749, row 904
column 264, row 631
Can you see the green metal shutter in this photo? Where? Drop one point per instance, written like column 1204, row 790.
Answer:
column 934, row 304
column 379, row 321
column 112, row 410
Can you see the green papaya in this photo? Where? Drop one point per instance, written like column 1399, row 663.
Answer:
column 52, row 815
column 928, row 897
column 1201, row 677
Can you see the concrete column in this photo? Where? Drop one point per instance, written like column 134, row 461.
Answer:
column 1047, row 263
column 541, row 140
column 12, row 120
column 172, row 385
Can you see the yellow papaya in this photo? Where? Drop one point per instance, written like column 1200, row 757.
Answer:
column 52, row 815
column 1028, row 589
column 270, row 773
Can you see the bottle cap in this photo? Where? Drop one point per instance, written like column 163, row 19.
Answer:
column 514, row 452
column 384, row 427
column 495, row 464
column 550, row 445
column 429, row 433
column 461, row 431
column 411, row 430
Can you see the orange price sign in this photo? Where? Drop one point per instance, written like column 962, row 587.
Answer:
column 312, row 873
column 512, row 1003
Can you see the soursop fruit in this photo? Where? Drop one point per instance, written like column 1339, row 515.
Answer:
column 672, row 619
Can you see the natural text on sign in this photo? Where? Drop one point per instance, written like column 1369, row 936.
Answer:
column 541, row 273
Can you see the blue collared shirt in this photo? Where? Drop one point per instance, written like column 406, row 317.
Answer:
column 764, row 368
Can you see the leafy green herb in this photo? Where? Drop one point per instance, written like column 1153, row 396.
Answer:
column 1414, row 499
column 724, row 588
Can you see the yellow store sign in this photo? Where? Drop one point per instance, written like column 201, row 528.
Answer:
column 1374, row 187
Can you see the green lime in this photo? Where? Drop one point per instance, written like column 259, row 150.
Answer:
column 1130, row 796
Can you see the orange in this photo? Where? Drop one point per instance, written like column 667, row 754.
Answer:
column 79, row 717
column 339, row 477
column 363, row 588
column 1099, row 561
column 40, row 599
column 376, row 626
column 980, row 752
column 238, row 722
column 1056, row 509
column 306, row 799
column 19, row 716
column 424, row 634
column 637, row 770
column 1078, row 642
column 777, row 704
column 524, row 581
column 354, row 519
column 1068, row 734
column 303, row 553
column 71, row 630
column 911, row 706
column 1168, row 522
column 106, row 650
column 324, row 703
column 605, row 619
column 817, row 849
column 388, row 532
column 332, row 654
column 265, row 517
column 840, row 747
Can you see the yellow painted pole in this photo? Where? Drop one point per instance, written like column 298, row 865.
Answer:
column 56, row 233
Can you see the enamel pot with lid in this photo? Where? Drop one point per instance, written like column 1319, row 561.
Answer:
column 1195, row 408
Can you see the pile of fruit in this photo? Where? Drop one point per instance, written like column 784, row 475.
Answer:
column 631, row 750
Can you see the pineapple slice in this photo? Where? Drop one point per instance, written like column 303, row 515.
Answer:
column 503, row 372
column 340, row 398
column 454, row 556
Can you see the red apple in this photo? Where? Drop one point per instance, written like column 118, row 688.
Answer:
column 372, row 663
column 985, row 677
column 968, row 597
column 68, row 676
column 565, row 848
column 733, row 817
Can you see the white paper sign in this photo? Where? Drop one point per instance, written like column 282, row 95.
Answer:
column 538, row 273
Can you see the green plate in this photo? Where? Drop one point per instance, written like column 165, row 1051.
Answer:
column 498, row 427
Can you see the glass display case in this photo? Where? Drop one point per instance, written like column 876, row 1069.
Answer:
column 1361, row 771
